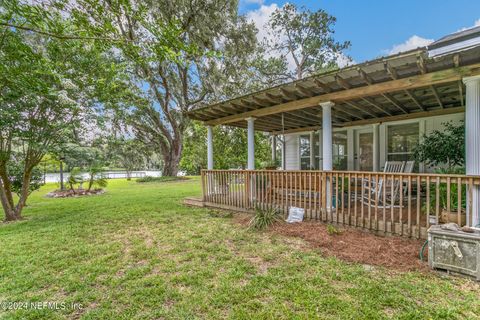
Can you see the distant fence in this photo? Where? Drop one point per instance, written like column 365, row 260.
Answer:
column 55, row 177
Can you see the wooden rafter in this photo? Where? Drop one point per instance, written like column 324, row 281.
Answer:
column 359, row 108
column 323, row 86
column 376, row 106
column 421, row 64
column 437, row 97
column 394, row 101
column 365, row 77
column 304, row 90
column 411, row 95
column 460, row 91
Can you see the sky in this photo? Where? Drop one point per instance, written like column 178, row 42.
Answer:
column 376, row 28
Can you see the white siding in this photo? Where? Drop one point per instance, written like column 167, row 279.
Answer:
column 426, row 125
column 292, row 153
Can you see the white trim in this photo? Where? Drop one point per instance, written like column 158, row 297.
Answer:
column 454, row 47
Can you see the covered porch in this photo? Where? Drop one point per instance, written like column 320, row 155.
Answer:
column 441, row 80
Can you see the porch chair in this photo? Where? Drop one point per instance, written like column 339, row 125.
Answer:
column 374, row 189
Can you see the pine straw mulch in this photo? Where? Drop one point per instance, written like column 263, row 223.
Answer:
column 354, row 245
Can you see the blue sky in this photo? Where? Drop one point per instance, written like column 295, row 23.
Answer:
column 378, row 27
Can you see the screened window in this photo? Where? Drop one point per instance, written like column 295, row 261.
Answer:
column 305, row 150
column 402, row 139
column 340, row 150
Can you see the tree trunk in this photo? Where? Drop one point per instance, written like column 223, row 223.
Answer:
column 172, row 159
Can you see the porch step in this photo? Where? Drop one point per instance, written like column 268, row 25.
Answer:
column 196, row 202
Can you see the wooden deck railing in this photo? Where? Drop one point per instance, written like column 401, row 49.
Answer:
column 390, row 203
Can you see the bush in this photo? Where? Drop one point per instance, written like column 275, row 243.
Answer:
column 331, row 230
column 159, row 179
column 264, row 218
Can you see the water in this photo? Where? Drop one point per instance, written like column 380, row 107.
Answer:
column 55, row 177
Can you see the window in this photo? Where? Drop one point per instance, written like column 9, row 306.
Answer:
column 340, row 151
column 402, row 139
column 305, row 150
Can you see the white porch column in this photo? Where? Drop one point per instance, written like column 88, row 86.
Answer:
column 312, row 150
column 209, row 148
column 327, row 147
column 274, row 148
column 251, row 144
column 472, row 141
column 327, row 135
column 376, row 147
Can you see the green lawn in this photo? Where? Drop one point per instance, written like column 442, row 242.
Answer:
column 137, row 253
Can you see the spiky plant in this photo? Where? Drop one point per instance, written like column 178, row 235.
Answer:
column 264, row 218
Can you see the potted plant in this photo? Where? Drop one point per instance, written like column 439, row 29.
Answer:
column 445, row 150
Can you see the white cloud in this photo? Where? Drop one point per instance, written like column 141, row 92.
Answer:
column 475, row 24
column 260, row 18
column 411, row 43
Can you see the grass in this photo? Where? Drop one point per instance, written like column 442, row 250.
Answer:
column 160, row 179
column 137, row 253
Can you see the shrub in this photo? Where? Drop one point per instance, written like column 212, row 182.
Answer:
column 332, row 230
column 264, row 218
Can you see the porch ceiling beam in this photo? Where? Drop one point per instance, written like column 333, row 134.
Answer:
column 408, row 116
column 460, row 91
column 304, row 90
column 351, row 114
column 373, row 104
column 421, row 64
column 323, row 86
column 288, row 95
column 418, row 81
column 359, row 108
column 412, row 97
column 437, row 97
column 393, row 101
column 365, row 77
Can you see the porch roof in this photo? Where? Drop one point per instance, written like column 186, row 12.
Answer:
column 402, row 86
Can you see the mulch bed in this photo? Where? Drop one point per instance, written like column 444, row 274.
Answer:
column 354, row 245
column 70, row 193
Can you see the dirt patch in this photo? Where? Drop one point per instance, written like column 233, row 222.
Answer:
column 354, row 245
column 76, row 193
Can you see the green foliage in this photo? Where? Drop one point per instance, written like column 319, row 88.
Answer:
column 130, row 153
column 443, row 147
column 332, row 230
column 264, row 218
column 96, row 177
column 160, row 179
column 305, row 36
column 229, row 148
column 443, row 199
column 15, row 173
column 75, row 178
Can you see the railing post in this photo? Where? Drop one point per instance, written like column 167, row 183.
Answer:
column 202, row 175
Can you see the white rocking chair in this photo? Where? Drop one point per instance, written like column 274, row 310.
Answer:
column 373, row 190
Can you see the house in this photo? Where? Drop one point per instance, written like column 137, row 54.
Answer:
column 352, row 121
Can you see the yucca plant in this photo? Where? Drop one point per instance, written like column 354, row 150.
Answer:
column 264, row 218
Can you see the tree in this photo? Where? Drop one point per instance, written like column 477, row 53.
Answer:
column 47, row 87
column 130, row 153
column 446, row 147
column 306, row 38
column 178, row 52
